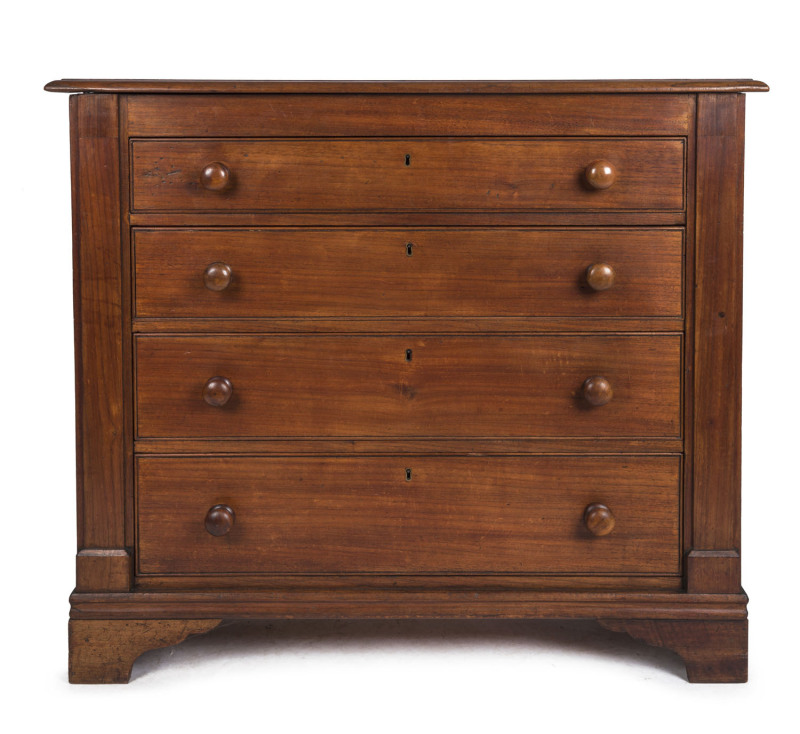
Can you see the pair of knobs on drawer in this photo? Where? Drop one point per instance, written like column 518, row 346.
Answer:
column 599, row 174
column 598, row 519
column 218, row 276
column 596, row 391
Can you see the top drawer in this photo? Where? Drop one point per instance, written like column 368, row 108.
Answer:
column 406, row 115
column 420, row 174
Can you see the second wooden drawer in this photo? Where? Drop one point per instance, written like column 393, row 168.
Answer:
column 395, row 386
column 370, row 273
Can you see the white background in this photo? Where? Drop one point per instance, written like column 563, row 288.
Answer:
column 383, row 677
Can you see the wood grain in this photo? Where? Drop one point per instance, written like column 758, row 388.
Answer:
column 342, row 584
column 718, row 326
column 389, row 600
column 99, row 569
column 429, row 446
column 345, row 174
column 410, row 273
column 713, row 572
column 103, row 651
column 417, row 325
column 350, row 115
column 459, row 386
column 454, row 515
column 713, row 651
column 578, row 86
column 454, row 218
column 399, row 300
column 98, row 323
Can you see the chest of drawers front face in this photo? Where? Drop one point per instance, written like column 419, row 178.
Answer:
column 438, row 338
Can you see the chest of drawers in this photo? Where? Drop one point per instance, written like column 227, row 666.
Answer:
column 408, row 350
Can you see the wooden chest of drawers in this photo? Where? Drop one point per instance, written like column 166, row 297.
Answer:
column 429, row 350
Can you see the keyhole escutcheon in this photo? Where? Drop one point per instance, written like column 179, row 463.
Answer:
column 408, row 159
column 408, row 355
column 410, row 249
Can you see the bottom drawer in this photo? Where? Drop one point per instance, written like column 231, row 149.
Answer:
column 407, row 515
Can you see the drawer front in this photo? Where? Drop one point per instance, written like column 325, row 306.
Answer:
column 407, row 273
column 364, row 515
column 345, row 174
column 412, row 386
column 404, row 115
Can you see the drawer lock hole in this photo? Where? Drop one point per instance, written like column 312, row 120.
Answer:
column 410, row 249
column 408, row 159
column 409, row 354
column 408, row 475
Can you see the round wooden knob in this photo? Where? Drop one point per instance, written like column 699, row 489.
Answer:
column 599, row 520
column 600, row 174
column 597, row 391
column 600, row 276
column 217, row 276
column 219, row 520
column 217, row 391
column 216, row 177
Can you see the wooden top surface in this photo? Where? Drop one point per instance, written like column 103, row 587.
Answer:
column 604, row 86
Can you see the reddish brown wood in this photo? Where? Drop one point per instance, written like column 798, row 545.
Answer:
column 713, row 651
column 535, row 585
column 421, row 174
column 600, row 276
column 600, row 174
column 605, row 86
column 599, row 519
column 98, row 324
column 409, row 284
column 713, row 572
column 460, row 218
column 464, row 386
column 421, row 114
column 597, row 391
column 357, row 600
column 216, row 277
column 219, row 520
column 371, row 273
column 415, row 325
column 98, row 569
column 217, row 391
column 364, row 515
column 127, row 318
column 718, row 329
column 430, row 446
column 216, row 177
column 103, row 651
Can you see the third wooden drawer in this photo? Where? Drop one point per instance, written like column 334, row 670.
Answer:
column 408, row 386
